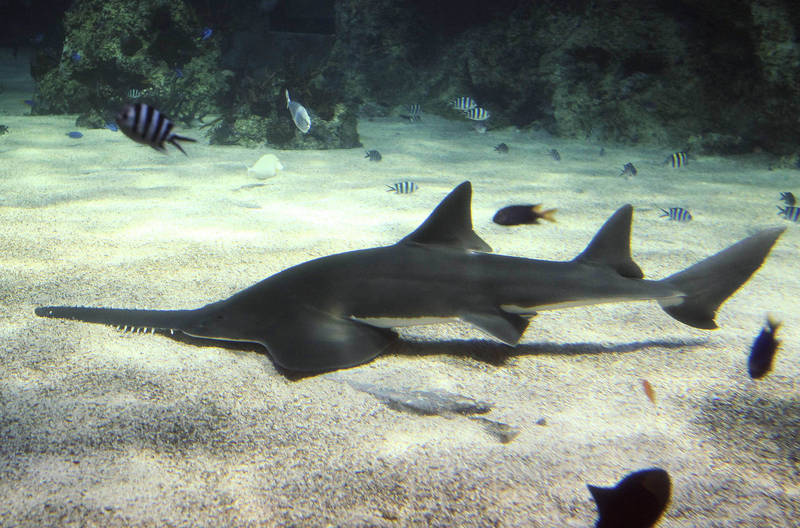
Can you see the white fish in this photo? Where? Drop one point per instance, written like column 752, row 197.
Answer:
column 299, row 115
column 267, row 166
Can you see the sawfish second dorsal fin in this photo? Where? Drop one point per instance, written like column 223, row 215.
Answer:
column 450, row 224
column 611, row 246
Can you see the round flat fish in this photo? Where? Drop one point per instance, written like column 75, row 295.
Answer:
column 299, row 115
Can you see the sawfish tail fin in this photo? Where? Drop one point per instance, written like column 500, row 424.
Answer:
column 709, row 283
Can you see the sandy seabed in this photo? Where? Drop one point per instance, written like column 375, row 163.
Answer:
column 104, row 428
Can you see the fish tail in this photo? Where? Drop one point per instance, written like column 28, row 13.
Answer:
column 174, row 141
column 548, row 215
column 773, row 323
column 709, row 283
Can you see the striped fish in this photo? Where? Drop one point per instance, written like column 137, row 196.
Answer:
column 678, row 160
column 477, row 114
column 790, row 212
column 414, row 112
column 679, row 214
column 146, row 125
column 403, row 187
column 463, row 104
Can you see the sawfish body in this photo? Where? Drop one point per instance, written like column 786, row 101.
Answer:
column 336, row 311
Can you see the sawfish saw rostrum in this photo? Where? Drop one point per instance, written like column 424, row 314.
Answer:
column 337, row 311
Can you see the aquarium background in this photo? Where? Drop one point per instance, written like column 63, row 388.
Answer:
column 106, row 428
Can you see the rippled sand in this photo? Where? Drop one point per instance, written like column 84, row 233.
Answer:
column 102, row 428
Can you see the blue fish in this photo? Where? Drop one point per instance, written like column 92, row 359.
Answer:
column 112, row 126
column 75, row 56
column 75, row 135
column 206, row 34
column 28, row 102
column 178, row 73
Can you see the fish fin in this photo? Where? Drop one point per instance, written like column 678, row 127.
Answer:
column 174, row 141
column 506, row 327
column 602, row 497
column 288, row 100
column 547, row 215
column 611, row 246
column 450, row 224
column 310, row 340
column 707, row 284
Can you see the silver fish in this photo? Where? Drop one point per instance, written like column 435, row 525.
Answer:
column 299, row 115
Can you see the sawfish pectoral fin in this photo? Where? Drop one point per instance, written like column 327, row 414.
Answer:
column 506, row 327
column 309, row 340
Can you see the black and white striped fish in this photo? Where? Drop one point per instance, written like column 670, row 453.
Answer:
column 679, row 214
column 678, row 160
column 477, row 114
column 146, row 125
column 414, row 113
column 790, row 212
column 463, row 104
column 403, row 187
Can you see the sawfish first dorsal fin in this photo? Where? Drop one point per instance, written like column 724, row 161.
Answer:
column 611, row 246
column 450, row 224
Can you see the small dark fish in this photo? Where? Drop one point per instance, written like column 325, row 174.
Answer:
column 76, row 57
column 555, row 155
column 373, row 155
column 178, row 73
column 678, row 160
column 146, row 125
column 648, row 391
column 3, row 130
column 788, row 198
column 29, row 102
column 111, row 126
column 790, row 212
column 679, row 214
column 404, row 187
column 763, row 350
column 75, row 135
column 637, row 501
column 523, row 214
column 602, row 151
column 477, row 114
column 206, row 34
column 502, row 148
column 463, row 104
column 628, row 170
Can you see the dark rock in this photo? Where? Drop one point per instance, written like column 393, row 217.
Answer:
column 113, row 46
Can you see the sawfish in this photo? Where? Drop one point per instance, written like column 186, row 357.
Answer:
column 337, row 311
